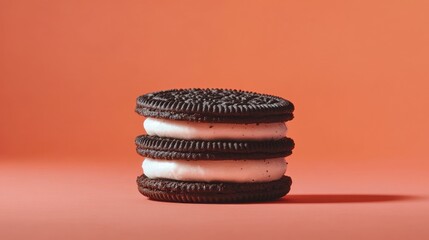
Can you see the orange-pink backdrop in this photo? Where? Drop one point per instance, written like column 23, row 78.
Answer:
column 357, row 72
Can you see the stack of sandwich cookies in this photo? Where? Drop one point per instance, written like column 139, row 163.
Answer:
column 214, row 145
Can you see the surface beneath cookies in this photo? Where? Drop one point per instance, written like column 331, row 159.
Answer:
column 83, row 199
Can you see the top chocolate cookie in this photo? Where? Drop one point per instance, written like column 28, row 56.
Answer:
column 215, row 105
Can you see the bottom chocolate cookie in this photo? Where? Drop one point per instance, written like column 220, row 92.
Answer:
column 216, row 192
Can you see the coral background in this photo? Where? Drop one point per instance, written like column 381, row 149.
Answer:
column 357, row 72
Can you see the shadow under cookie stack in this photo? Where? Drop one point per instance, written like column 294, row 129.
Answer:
column 214, row 146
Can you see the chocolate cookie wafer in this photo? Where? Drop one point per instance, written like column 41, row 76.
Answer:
column 171, row 148
column 215, row 105
column 203, row 192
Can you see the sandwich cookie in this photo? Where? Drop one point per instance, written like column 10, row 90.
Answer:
column 214, row 146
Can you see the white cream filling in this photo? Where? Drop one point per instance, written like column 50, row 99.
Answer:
column 211, row 131
column 263, row 170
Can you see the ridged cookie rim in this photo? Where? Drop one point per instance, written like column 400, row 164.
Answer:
column 214, row 146
column 218, row 192
column 147, row 106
